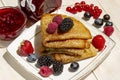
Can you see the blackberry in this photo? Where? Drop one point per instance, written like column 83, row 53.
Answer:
column 66, row 25
column 57, row 67
column 45, row 60
column 67, row 20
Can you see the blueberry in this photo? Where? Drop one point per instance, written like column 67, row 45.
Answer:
column 87, row 15
column 31, row 58
column 73, row 67
column 108, row 23
column 106, row 17
column 98, row 22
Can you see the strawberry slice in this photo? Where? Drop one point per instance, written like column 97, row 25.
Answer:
column 98, row 42
column 26, row 48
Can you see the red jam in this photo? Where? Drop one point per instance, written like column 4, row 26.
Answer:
column 12, row 22
column 36, row 8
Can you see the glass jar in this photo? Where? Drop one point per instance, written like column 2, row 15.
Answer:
column 36, row 8
column 12, row 23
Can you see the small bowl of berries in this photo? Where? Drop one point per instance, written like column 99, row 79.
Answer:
column 12, row 22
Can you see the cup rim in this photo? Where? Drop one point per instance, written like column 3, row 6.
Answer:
column 17, row 9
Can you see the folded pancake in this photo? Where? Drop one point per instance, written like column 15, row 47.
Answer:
column 67, row 47
column 86, row 53
column 72, row 43
column 68, row 51
column 76, row 36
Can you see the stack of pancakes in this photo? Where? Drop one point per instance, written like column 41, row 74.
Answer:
column 67, row 47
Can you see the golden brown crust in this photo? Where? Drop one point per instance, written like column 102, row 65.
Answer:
column 68, row 51
column 72, row 43
column 68, row 58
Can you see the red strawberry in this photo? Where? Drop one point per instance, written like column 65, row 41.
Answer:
column 98, row 42
column 26, row 48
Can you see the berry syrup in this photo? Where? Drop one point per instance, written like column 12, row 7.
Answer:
column 36, row 8
column 12, row 21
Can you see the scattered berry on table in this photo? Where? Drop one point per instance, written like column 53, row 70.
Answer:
column 87, row 15
column 31, row 57
column 98, row 42
column 108, row 30
column 57, row 67
column 98, row 22
column 52, row 27
column 69, row 9
column 66, row 25
column 58, row 19
column 73, row 67
column 106, row 17
column 91, row 8
column 82, row 2
column 86, row 7
column 45, row 71
column 45, row 60
column 25, row 48
column 77, row 4
column 74, row 10
column 82, row 6
column 108, row 23
column 96, row 12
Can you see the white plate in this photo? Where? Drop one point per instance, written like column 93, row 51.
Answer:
column 30, row 72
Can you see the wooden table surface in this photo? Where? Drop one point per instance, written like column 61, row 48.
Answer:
column 108, row 70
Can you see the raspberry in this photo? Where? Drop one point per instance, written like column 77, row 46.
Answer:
column 45, row 60
column 66, row 25
column 57, row 68
column 58, row 19
column 45, row 71
column 108, row 30
column 98, row 42
column 52, row 27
